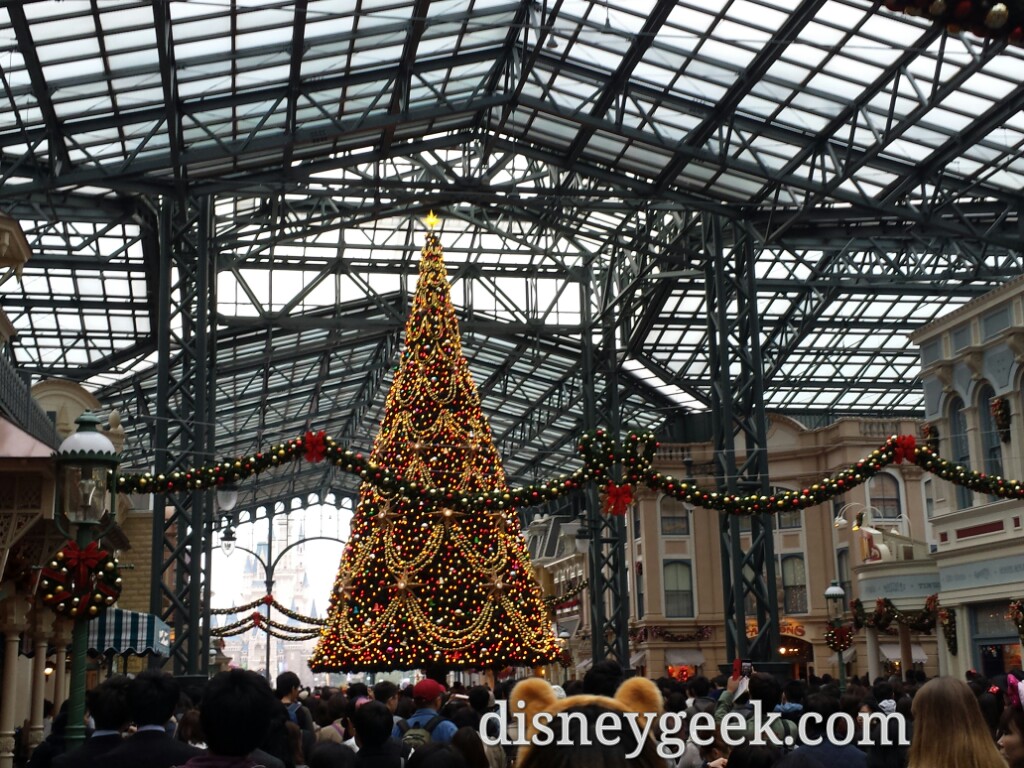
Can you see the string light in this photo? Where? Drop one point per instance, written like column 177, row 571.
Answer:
column 432, row 578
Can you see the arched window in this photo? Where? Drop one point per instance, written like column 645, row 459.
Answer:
column 794, row 584
column 678, row 589
column 990, row 443
column 884, row 493
column 960, row 452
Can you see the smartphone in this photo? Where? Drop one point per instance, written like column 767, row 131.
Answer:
column 746, row 668
column 736, row 669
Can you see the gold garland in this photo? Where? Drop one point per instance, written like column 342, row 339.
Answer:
column 268, row 600
column 246, row 625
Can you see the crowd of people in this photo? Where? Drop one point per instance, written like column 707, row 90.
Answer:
column 236, row 720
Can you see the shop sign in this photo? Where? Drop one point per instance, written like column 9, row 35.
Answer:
column 786, row 627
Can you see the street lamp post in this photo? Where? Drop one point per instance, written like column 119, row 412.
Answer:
column 86, row 462
column 835, row 594
column 228, row 545
column 563, row 640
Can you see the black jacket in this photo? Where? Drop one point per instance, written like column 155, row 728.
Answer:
column 149, row 749
column 89, row 752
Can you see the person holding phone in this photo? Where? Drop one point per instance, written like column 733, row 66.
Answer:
column 740, row 693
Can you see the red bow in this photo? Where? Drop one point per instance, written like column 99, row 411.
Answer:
column 257, row 618
column 906, row 447
column 84, row 560
column 267, row 599
column 617, row 498
column 316, row 446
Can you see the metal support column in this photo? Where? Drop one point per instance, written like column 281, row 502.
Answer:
column 609, row 604
column 737, row 398
column 184, row 427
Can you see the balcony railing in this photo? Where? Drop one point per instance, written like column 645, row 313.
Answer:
column 16, row 401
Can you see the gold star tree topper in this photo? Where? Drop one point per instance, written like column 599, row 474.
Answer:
column 433, row 221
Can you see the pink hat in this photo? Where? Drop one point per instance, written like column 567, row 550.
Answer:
column 427, row 690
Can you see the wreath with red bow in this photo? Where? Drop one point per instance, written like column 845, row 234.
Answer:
column 80, row 581
column 839, row 639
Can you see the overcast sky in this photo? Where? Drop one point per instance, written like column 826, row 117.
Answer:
column 321, row 557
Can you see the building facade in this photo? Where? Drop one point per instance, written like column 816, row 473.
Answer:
column 973, row 373
column 675, row 584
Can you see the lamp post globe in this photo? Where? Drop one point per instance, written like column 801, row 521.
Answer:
column 86, row 462
column 834, row 593
column 227, row 497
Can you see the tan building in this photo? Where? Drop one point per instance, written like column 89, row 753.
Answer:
column 973, row 376
column 675, row 572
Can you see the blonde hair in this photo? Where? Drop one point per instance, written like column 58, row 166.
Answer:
column 949, row 731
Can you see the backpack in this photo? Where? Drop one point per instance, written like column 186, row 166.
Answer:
column 415, row 737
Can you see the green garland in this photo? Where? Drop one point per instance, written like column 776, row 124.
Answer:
column 886, row 613
column 599, row 453
column 646, row 633
column 554, row 602
column 1016, row 614
column 947, row 619
column 239, row 608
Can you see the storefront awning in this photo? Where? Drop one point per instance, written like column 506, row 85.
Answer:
column 637, row 659
column 119, row 631
column 584, row 665
column 684, row 657
column 849, row 655
column 891, row 651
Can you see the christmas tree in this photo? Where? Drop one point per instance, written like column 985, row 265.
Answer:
column 419, row 584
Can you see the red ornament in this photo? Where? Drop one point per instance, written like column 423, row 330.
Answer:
column 963, row 9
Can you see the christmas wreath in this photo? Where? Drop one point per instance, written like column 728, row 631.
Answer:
column 80, row 581
column 839, row 638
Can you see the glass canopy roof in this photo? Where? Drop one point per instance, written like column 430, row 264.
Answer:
column 578, row 152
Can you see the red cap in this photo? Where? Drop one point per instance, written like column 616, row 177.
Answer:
column 427, row 690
